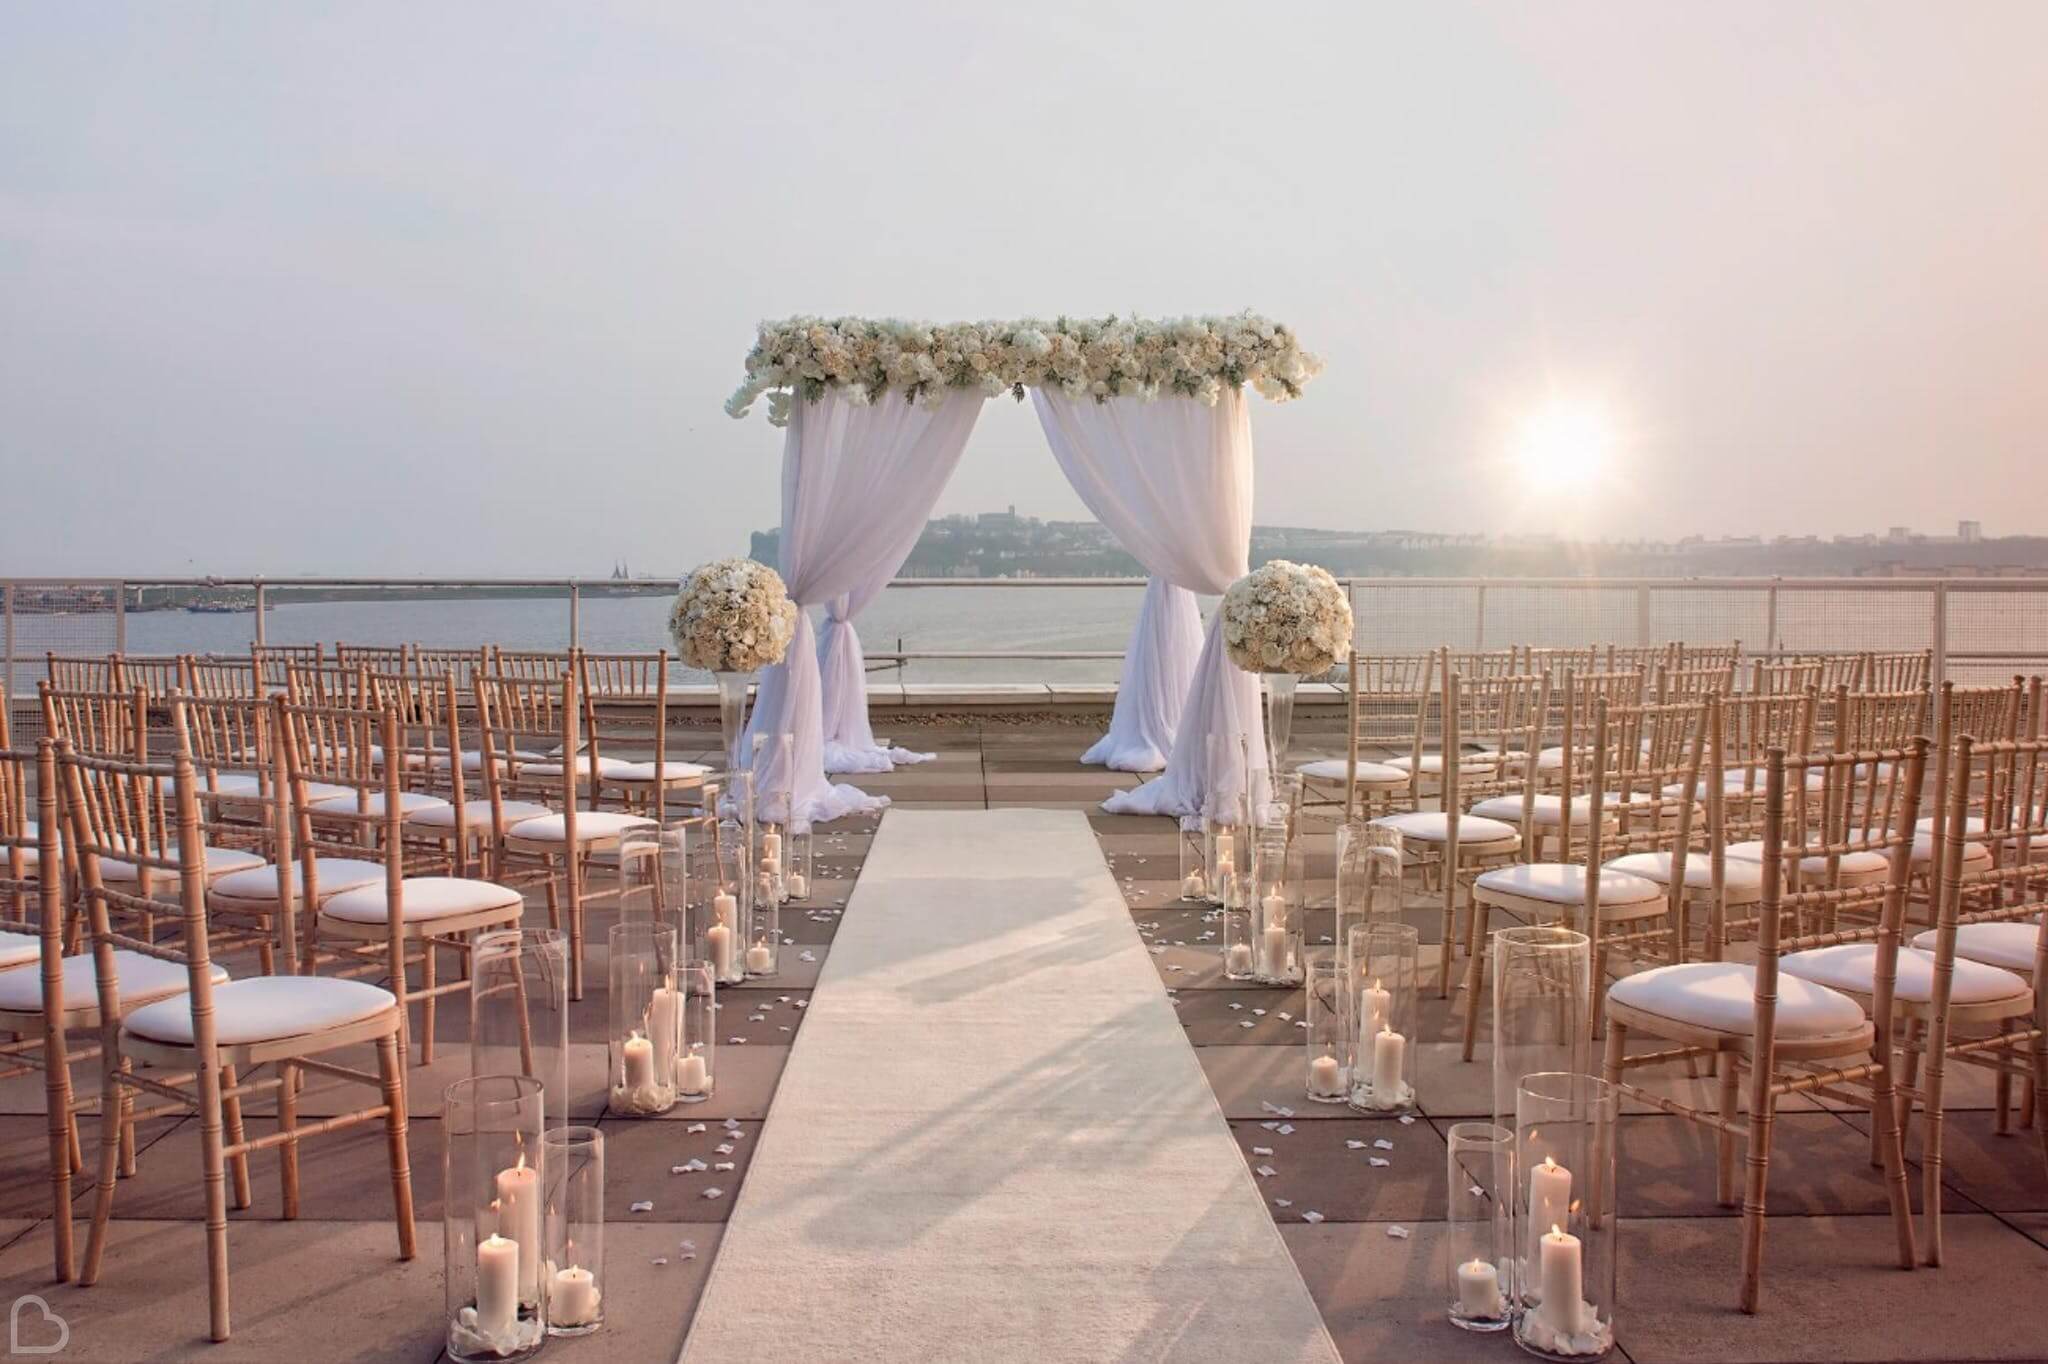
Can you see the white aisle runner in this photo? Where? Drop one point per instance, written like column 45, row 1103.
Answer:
column 993, row 1141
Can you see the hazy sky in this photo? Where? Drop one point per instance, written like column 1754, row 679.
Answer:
column 436, row 287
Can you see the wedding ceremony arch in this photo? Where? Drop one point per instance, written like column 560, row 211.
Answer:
column 1147, row 419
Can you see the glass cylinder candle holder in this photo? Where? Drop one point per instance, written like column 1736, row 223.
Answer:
column 519, row 1011
column 574, row 1273
column 764, row 937
column 1275, row 907
column 1384, row 1007
column 1541, row 980
column 639, row 873
column 1226, row 853
column 773, row 758
column 647, row 1025
column 698, row 982
column 1368, row 877
column 1240, row 952
column 1563, row 1214
column 1481, row 1164
column 801, row 867
column 493, row 1219
column 1194, row 859
column 1283, row 799
column 1331, row 1033
column 730, row 908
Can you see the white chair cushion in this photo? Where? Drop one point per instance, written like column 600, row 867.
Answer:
column 476, row 814
column 1736, row 874
column 1864, row 863
column 1552, row 759
column 1564, row 883
column 1433, row 826
column 1721, row 995
column 591, row 826
column 1973, row 824
column 473, row 759
column 1923, row 849
column 1547, row 808
column 671, row 770
column 18, row 948
column 141, row 978
column 2008, row 946
column 334, row 875
column 426, row 897
column 552, row 767
column 1733, row 784
column 219, row 862
column 408, row 802
column 237, row 784
column 1332, row 769
column 266, row 1009
column 1433, row 763
column 1853, row 966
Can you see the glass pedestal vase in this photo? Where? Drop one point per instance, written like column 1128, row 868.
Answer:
column 519, row 1011
column 1564, row 1214
column 574, row 1273
column 493, row 1218
column 1279, row 717
column 732, row 714
column 1476, row 1236
column 1331, row 1033
column 646, row 1018
column 694, row 1076
column 1384, row 988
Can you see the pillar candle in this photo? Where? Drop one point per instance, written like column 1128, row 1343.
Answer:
column 725, row 909
column 691, row 1077
column 760, row 959
column 1375, row 1006
column 1275, row 943
column 1388, row 1050
column 719, row 939
column 664, row 1026
column 519, row 1220
column 497, row 1286
column 1563, row 1289
column 572, row 1299
column 1325, row 1076
column 1550, row 1200
column 799, row 886
column 1192, row 888
column 1240, row 960
column 1479, row 1290
column 771, row 846
column 639, row 1064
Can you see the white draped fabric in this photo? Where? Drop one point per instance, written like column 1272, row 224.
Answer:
column 1159, row 667
column 849, row 739
column 858, row 483
column 1172, row 479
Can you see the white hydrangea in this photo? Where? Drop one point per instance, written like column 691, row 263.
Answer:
column 732, row 616
column 1285, row 617
column 1193, row 357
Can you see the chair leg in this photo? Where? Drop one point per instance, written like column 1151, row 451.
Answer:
column 127, row 1134
column 2001, row 1122
column 231, row 1112
column 1931, row 1139
column 1475, row 969
column 427, row 1001
column 103, row 1198
column 391, row 1071
column 214, row 1168
column 1448, row 884
column 63, row 1138
column 1759, row 1170
column 1890, row 1141
column 1724, row 1139
column 288, row 1122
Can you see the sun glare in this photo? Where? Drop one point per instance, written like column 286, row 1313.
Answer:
column 1564, row 445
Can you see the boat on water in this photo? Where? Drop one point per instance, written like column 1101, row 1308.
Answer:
column 213, row 608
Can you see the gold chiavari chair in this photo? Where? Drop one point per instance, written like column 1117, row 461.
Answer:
column 190, row 1047
column 1571, row 719
column 219, row 679
column 1785, row 1031
column 436, row 662
column 373, row 928
column 1993, row 919
column 1987, row 714
column 1644, row 658
column 1555, row 660
column 557, row 849
column 1785, row 677
column 81, row 672
column 327, row 684
column 1744, row 731
column 31, row 875
column 273, row 662
column 1906, row 671
column 618, row 691
column 532, row 665
column 1449, row 843
column 1477, row 665
column 1690, row 656
column 1388, row 710
column 1693, row 684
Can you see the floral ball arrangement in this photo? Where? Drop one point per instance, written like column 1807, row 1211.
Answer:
column 732, row 616
column 1286, row 618
column 1102, row 358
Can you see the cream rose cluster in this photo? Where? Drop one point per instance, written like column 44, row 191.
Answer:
column 1286, row 618
column 732, row 616
column 1195, row 357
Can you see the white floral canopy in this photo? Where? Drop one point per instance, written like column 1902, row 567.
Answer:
column 1148, row 420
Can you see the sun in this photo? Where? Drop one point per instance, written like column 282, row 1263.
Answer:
column 1564, row 445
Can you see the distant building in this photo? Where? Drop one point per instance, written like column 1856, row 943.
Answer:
column 1969, row 532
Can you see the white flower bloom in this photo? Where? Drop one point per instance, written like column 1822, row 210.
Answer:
column 733, row 615
column 1286, row 617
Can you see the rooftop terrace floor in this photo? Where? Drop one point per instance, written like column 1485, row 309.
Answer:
column 328, row 1286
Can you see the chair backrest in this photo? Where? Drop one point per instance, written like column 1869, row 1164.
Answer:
column 625, row 701
column 1675, row 683
column 386, row 658
column 1476, row 665
column 340, row 746
column 230, row 736
column 1645, row 765
column 534, row 665
column 274, row 661
column 438, row 662
column 345, row 685
column 27, row 880
column 157, row 674
column 80, row 672
column 1879, row 719
column 1389, row 702
column 105, row 724
column 1686, row 656
column 1908, row 670
column 1785, row 676
column 1646, row 657
column 219, row 678
column 2013, row 884
column 516, row 716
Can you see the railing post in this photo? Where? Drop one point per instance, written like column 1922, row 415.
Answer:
column 575, row 615
column 1479, row 620
column 7, row 647
column 121, row 617
column 1642, row 614
column 260, row 608
column 1940, row 633
column 1771, row 620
